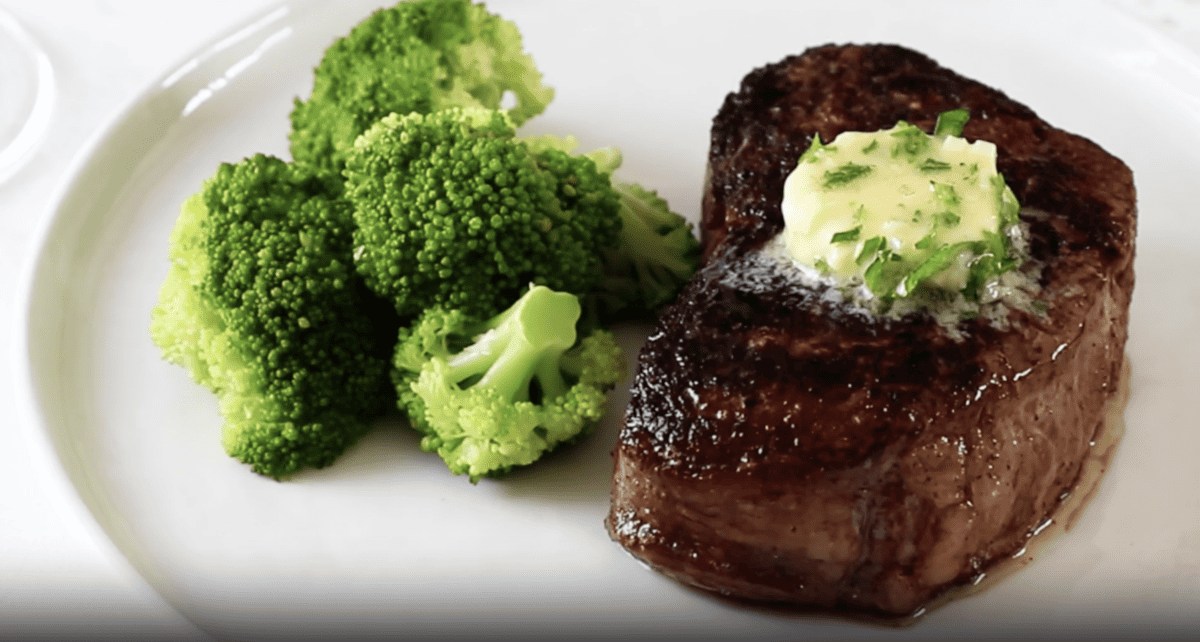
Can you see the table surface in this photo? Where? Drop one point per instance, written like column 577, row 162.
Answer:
column 60, row 577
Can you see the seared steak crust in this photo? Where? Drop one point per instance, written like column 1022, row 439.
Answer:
column 781, row 446
column 762, row 129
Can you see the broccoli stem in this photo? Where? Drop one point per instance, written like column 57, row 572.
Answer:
column 521, row 345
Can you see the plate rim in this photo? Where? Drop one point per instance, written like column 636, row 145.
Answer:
column 31, row 411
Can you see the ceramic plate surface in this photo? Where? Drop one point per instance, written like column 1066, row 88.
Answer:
column 385, row 540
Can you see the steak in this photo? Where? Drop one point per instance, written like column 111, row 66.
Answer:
column 781, row 446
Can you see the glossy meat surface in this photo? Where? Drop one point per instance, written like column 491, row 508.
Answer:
column 781, row 446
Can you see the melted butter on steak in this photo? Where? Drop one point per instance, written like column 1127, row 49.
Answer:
column 782, row 446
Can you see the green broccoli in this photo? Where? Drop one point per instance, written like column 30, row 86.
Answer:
column 453, row 210
column 410, row 196
column 494, row 394
column 654, row 257
column 262, row 306
column 418, row 56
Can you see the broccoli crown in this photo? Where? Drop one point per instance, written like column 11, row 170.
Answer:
column 262, row 306
column 452, row 210
column 655, row 256
column 418, row 56
column 494, row 394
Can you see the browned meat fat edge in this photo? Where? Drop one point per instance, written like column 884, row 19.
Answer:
column 778, row 448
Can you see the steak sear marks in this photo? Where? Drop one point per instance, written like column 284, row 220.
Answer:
column 781, row 446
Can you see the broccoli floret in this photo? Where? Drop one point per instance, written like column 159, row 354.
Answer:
column 262, row 306
column 494, row 394
column 453, row 210
column 418, row 56
column 655, row 256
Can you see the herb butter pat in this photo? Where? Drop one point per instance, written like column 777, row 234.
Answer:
column 899, row 209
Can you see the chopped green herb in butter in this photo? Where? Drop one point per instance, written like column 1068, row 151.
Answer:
column 900, row 208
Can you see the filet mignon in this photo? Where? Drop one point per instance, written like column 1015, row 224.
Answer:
column 782, row 447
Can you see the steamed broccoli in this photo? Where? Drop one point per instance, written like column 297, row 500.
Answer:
column 493, row 394
column 418, row 56
column 262, row 306
column 453, row 210
column 654, row 257
column 412, row 196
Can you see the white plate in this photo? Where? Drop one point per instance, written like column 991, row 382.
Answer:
column 386, row 540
